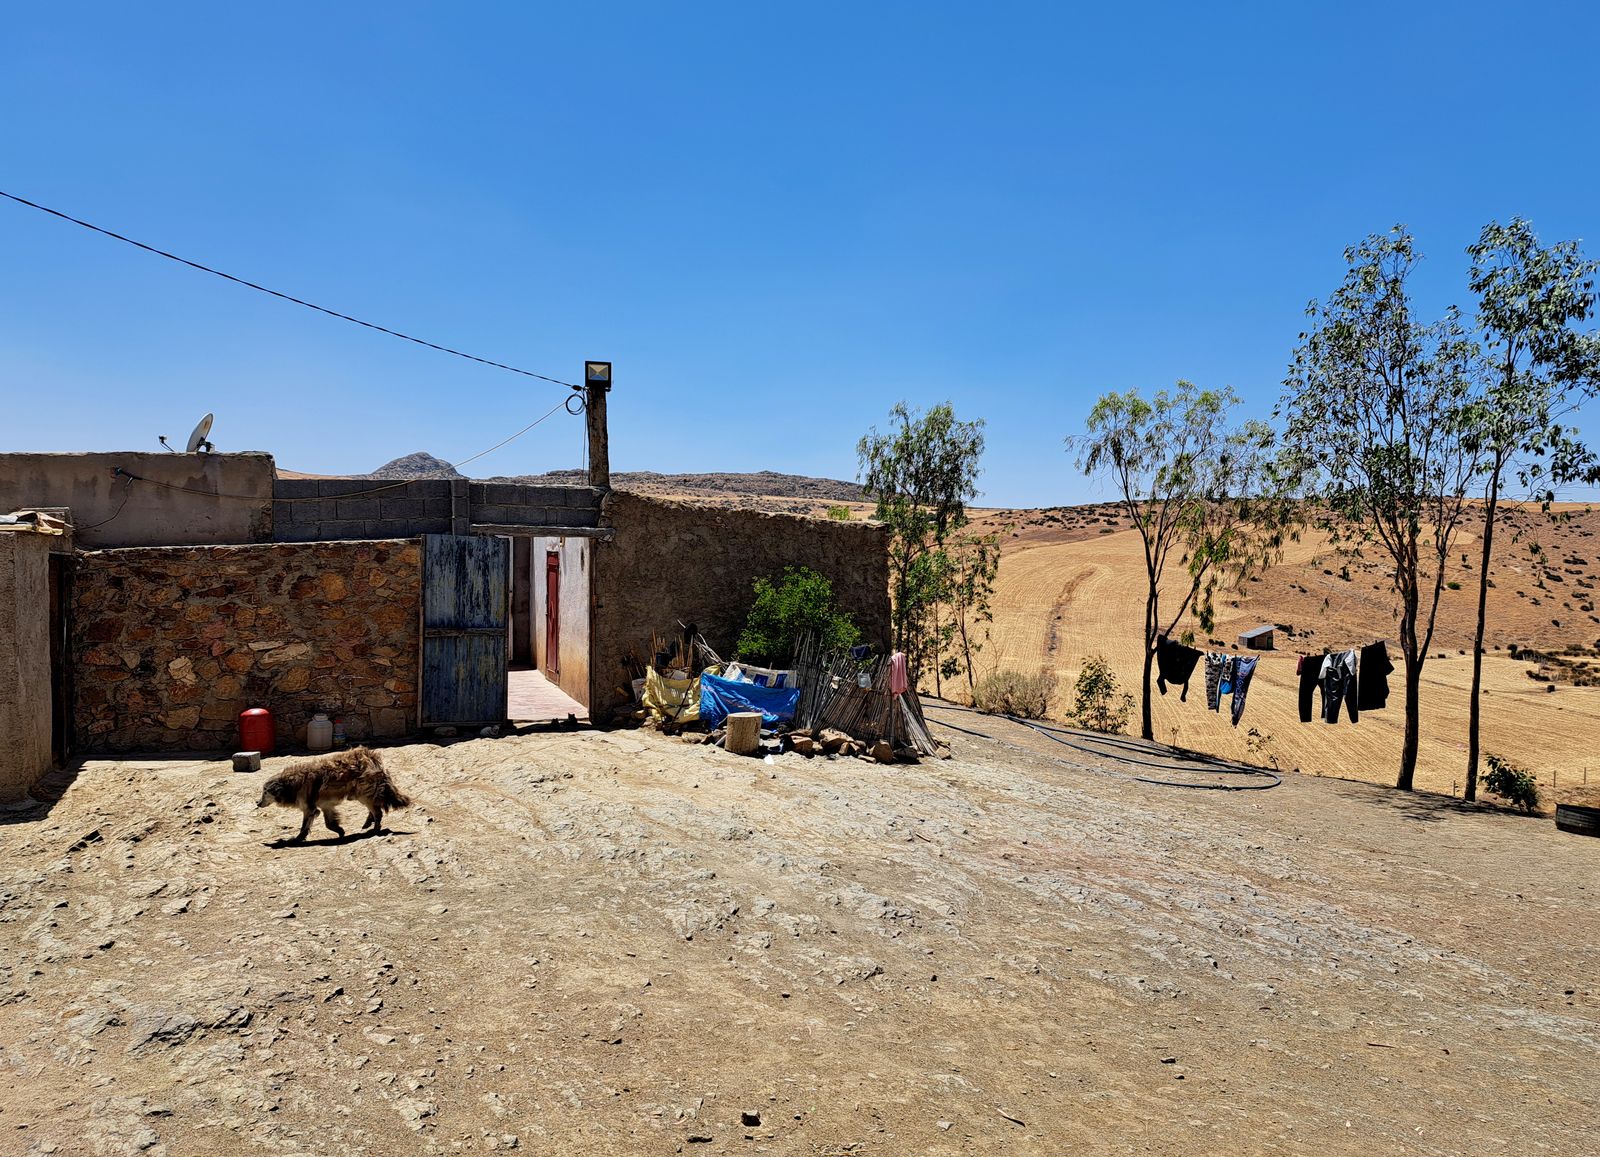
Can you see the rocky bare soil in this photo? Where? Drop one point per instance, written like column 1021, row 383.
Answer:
column 619, row 943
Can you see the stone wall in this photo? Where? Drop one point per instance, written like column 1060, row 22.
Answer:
column 170, row 644
column 25, row 711
column 672, row 561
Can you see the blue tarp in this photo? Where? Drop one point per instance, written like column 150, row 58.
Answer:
column 719, row 696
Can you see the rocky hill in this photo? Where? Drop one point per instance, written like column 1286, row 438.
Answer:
column 418, row 465
column 764, row 483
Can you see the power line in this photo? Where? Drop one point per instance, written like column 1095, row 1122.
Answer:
column 275, row 293
column 127, row 488
column 564, row 404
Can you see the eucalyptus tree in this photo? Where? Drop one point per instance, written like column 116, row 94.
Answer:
column 974, row 565
column 1378, row 438
column 921, row 472
column 1540, row 368
column 1193, row 484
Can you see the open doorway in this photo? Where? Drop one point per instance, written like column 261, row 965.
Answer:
column 550, row 679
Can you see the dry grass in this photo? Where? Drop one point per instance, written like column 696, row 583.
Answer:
column 1066, row 590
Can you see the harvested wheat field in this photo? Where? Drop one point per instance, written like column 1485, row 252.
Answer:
column 1071, row 583
column 621, row 944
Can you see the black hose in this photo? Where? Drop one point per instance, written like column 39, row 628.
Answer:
column 1214, row 766
column 1214, row 769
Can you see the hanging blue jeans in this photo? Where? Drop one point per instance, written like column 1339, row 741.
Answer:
column 1243, row 670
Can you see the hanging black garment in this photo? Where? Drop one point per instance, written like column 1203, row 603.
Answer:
column 1372, row 688
column 1175, row 663
column 1310, row 677
column 1338, row 684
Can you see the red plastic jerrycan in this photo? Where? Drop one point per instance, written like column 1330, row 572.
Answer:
column 257, row 731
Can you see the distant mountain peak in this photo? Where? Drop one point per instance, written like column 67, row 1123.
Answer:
column 418, row 465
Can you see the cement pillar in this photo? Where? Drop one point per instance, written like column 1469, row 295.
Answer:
column 25, row 717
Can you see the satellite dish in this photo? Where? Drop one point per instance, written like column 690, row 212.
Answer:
column 198, row 438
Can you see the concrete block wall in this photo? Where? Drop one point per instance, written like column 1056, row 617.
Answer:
column 323, row 509
column 514, row 504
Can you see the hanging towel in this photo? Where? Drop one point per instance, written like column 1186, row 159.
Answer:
column 1243, row 669
column 1215, row 665
column 1176, row 664
column 1338, row 679
column 1372, row 688
column 899, row 681
column 1309, row 676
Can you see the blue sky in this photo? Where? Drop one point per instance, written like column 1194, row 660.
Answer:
column 776, row 220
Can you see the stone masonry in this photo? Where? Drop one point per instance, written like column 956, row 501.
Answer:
column 673, row 562
column 169, row 644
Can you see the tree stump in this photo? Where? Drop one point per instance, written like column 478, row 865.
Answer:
column 744, row 732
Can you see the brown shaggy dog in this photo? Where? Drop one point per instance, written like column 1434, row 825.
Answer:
column 322, row 783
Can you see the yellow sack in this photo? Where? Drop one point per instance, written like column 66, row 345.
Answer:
column 671, row 700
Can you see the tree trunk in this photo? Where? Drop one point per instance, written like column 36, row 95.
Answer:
column 1474, row 711
column 966, row 651
column 1408, row 750
column 1414, row 660
column 1147, row 728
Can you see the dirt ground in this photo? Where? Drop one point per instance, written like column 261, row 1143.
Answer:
column 1075, row 586
column 621, row 944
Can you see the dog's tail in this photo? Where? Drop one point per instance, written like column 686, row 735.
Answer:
column 391, row 797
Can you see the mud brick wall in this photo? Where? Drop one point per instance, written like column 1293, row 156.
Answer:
column 169, row 644
column 672, row 561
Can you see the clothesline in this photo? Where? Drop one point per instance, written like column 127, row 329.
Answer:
column 1275, row 653
column 1354, row 676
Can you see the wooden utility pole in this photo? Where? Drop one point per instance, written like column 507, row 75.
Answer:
column 596, row 385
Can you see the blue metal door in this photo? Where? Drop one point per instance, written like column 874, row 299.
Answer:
column 466, row 606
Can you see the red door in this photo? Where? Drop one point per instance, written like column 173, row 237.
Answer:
column 552, row 611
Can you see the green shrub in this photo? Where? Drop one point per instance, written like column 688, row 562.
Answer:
column 1511, row 782
column 1013, row 693
column 801, row 600
column 1098, row 703
column 839, row 513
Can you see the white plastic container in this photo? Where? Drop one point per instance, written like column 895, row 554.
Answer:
column 319, row 733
